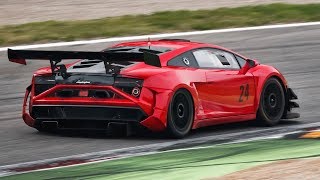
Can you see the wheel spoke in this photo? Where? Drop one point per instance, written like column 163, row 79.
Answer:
column 180, row 114
column 272, row 101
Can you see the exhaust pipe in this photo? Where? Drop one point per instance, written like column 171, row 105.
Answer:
column 50, row 124
column 118, row 128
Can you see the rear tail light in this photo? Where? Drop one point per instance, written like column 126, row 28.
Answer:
column 43, row 83
column 130, row 86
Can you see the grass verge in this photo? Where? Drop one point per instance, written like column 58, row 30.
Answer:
column 212, row 161
column 167, row 21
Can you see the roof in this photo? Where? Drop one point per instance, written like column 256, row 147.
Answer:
column 172, row 47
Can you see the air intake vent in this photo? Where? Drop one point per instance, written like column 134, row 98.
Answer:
column 83, row 66
column 86, row 64
column 90, row 62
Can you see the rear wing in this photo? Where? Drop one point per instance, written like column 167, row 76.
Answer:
column 147, row 56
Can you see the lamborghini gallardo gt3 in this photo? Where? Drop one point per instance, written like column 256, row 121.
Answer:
column 167, row 85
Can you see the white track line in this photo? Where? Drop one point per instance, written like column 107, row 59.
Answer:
column 131, row 38
column 10, row 173
column 134, row 151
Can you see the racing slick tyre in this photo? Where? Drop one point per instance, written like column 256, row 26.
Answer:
column 272, row 103
column 180, row 114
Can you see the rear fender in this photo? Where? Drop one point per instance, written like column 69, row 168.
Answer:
column 164, row 89
column 25, row 114
column 261, row 74
column 158, row 120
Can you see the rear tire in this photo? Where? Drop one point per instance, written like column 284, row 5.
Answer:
column 272, row 103
column 180, row 114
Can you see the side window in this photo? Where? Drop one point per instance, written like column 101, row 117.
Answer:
column 241, row 61
column 214, row 58
column 207, row 59
column 184, row 60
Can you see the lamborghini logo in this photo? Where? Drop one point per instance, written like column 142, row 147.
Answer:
column 83, row 82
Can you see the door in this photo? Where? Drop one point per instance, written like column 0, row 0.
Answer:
column 227, row 91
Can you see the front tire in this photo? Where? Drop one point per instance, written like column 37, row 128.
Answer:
column 180, row 114
column 272, row 103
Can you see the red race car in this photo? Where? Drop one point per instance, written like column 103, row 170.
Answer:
column 169, row 85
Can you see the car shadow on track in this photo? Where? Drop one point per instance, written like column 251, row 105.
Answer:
column 147, row 135
column 236, row 127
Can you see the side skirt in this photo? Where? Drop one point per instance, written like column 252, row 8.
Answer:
column 223, row 120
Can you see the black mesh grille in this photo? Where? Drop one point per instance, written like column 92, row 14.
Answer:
column 67, row 93
column 87, row 113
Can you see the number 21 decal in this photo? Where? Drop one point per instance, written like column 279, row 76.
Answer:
column 244, row 91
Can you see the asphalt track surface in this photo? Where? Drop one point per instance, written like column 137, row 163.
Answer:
column 294, row 51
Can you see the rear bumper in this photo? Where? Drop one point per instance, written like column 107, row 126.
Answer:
column 99, row 113
column 85, row 117
column 89, row 113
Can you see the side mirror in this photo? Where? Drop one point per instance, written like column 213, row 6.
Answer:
column 252, row 62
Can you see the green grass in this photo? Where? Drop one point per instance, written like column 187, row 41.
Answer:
column 167, row 21
column 201, row 163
